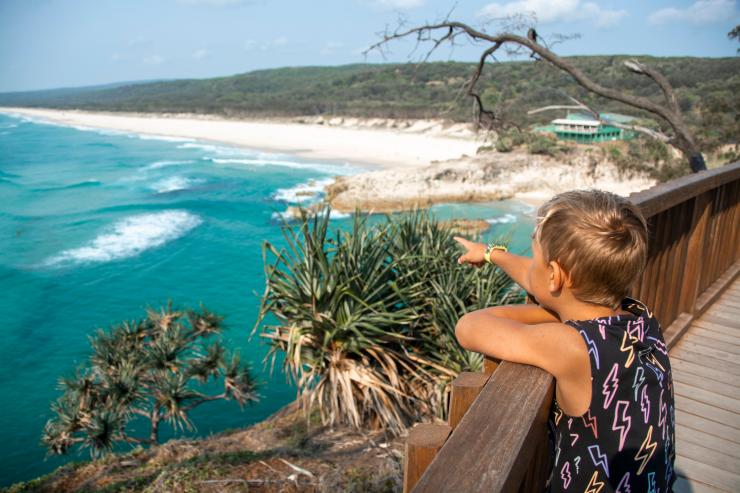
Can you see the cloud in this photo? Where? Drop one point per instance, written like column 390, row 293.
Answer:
column 548, row 11
column 153, row 60
column 330, row 47
column 701, row 12
column 201, row 53
column 254, row 45
column 396, row 4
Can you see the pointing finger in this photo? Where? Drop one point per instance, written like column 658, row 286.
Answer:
column 460, row 240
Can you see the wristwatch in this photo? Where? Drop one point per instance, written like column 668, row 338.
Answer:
column 491, row 247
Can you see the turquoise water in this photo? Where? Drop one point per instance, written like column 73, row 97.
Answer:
column 95, row 226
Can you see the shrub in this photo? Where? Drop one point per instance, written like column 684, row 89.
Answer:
column 144, row 369
column 540, row 144
column 504, row 145
column 367, row 316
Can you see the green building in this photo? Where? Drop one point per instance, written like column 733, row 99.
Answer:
column 584, row 129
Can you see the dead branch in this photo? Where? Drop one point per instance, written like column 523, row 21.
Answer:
column 670, row 112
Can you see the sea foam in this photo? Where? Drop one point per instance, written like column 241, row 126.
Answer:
column 288, row 215
column 164, row 164
column 166, row 138
column 505, row 219
column 303, row 192
column 131, row 236
column 345, row 169
column 172, row 184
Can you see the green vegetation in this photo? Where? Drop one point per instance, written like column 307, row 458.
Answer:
column 367, row 316
column 644, row 156
column 707, row 90
column 144, row 369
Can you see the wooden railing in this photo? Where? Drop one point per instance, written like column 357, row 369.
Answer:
column 496, row 439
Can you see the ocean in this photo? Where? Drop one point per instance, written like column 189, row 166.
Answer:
column 96, row 226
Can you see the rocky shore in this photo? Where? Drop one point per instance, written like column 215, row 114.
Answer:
column 484, row 177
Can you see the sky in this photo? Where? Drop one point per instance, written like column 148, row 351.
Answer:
column 66, row 43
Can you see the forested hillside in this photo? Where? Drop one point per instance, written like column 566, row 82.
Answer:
column 708, row 91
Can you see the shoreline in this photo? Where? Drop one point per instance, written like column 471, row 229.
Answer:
column 369, row 148
column 401, row 164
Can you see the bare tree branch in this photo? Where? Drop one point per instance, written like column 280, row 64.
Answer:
column 683, row 138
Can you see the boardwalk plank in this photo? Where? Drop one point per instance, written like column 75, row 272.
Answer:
column 705, row 455
column 724, row 311
column 707, row 474
column 722, row 305
column 725, row 305
column 719, row 320
column 707, row 351
column 684, row 366
column 693, row 406
column 703, row 359
column 730, row 292
column 718, row 324
column 697, row 330
column 708, row 397
column 685, row 485
column 729, row 449
column 729, row 296
column 708, row 426
column 691, row 337
column 729, row 301
column 707, row 384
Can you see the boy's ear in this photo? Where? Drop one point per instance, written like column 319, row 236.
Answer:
column 556, row 277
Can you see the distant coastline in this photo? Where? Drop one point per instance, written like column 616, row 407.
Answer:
column 366, row 146
column 408, row 163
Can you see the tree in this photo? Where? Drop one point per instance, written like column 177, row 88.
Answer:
column 144, row 369
column 448, row 31
column 735, row 34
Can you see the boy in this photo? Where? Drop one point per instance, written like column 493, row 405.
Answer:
column 612, row 419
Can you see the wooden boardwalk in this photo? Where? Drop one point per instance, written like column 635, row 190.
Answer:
column 706, row 376
column 496, row 439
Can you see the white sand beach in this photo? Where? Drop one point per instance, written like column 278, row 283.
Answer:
column 367, row 147
column 408, row 163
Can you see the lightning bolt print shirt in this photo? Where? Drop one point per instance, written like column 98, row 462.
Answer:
column 625, row 441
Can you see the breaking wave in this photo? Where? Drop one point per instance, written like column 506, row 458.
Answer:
column 303, row 192
column 131, row 236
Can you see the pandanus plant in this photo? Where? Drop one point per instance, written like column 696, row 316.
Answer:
column 155, row 368
column 366, row 315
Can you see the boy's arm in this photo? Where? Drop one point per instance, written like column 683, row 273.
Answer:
column 555, row 347
column 527, row 313
column 515, row 266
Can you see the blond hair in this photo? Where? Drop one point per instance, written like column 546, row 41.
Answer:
column 598, row 238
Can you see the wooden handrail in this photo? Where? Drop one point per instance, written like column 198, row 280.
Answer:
column 666, row 195
column 500, row 444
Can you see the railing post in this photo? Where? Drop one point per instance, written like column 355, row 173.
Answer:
column 490, row 365
column 465, row 388
column 695, row 252
column 422, row 444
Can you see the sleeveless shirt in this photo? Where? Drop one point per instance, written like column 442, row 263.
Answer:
column 625, row 442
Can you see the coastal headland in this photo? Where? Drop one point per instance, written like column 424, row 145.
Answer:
column 407, row 163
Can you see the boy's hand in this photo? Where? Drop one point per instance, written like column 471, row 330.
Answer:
column 473, row 252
